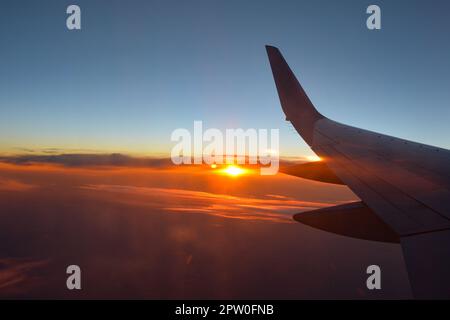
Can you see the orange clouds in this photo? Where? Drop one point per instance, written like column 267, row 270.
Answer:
column 173, row 189
column 163, row 232
column 14, row 185
column 15, row 274
column 272, row 208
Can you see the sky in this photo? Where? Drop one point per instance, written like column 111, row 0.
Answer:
column 140, row 69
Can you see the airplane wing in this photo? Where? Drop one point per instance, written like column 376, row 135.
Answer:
column 405, row 184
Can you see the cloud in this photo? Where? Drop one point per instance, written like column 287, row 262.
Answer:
column 19, row 274
column 54, row 156
column 272, row 208
column 14, row 185
column 88, row 160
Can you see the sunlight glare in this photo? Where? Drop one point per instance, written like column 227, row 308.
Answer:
column 313, row 158
column 233, row 170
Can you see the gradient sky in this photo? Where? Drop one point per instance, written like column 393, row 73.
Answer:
column 140, row 69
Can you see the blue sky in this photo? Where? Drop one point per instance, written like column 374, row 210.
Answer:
column 140, row 69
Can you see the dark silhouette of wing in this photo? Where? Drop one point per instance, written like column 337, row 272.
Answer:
column 406, row 184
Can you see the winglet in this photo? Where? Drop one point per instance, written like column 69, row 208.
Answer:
column 295, row 103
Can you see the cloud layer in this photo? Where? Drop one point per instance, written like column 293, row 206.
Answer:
column 273, row 208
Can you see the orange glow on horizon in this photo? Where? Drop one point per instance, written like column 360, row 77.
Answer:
column 314, row 158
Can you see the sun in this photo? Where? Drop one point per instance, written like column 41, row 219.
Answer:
column 233, row 171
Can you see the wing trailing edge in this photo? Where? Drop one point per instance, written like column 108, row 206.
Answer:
column 353, row 219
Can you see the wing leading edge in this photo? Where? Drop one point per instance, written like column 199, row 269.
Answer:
column 406, row 184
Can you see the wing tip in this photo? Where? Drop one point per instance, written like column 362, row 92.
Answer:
column 295, row 103
column 271, row 47
column 272, row 51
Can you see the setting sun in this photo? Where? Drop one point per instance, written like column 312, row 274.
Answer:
column 233, row 170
